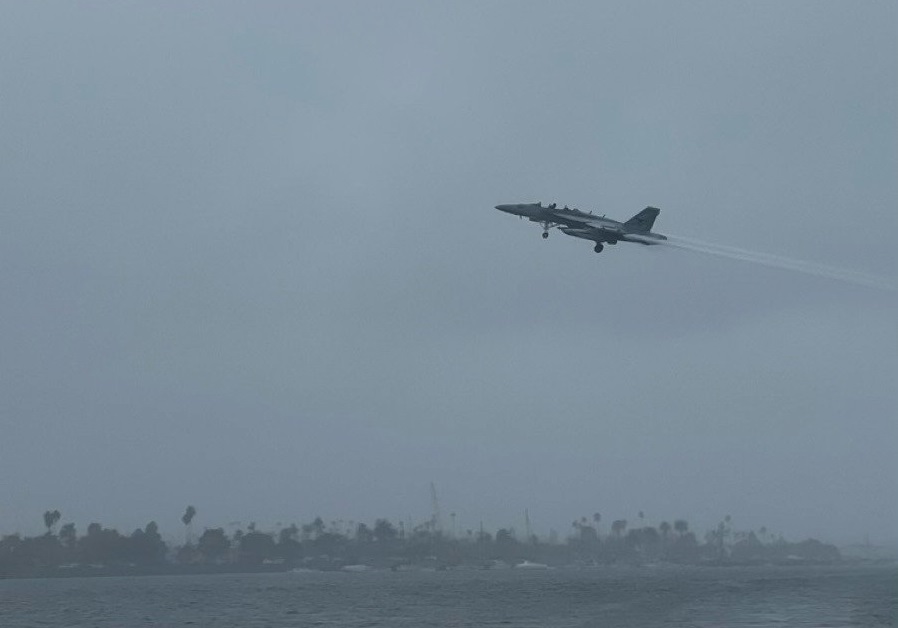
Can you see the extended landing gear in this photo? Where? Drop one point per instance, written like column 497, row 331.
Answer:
column 546, row 226
column 598, row 248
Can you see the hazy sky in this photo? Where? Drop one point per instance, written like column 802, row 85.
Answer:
column 249, row 261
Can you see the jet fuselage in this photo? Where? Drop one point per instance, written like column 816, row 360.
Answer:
column 587, row 226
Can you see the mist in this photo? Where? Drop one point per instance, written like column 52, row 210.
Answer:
column 250, row 262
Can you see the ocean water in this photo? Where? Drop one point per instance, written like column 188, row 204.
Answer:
column 608, row 597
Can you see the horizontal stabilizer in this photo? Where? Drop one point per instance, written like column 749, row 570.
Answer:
column 643, row 221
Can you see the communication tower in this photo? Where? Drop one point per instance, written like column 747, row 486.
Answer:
column 435, row 522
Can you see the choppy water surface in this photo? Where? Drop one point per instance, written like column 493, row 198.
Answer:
column 666, row 596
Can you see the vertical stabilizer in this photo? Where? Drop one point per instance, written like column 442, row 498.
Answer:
column 643, row 221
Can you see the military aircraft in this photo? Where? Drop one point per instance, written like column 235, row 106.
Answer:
column 586, row 225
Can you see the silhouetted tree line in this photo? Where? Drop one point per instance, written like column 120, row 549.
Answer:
column 317, row 545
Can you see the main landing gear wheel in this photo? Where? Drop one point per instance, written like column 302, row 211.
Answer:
column 598, row 248
column 545, row 234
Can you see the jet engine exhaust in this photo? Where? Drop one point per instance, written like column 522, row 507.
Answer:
column 777, row 261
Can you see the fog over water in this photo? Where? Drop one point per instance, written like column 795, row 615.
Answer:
column 249, row 261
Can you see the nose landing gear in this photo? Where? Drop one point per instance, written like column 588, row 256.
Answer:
column 545, row 234
column 598, row 248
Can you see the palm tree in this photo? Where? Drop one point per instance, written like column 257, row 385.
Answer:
column 186, row 519
column 51, row 518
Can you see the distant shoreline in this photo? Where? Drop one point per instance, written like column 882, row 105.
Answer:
column 118, row 571
column 319, row 546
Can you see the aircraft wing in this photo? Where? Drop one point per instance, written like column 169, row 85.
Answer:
column 575, row 220
column 582, row 220
column 610, row 228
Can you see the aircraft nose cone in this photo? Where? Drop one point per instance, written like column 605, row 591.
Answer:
column 503, row 208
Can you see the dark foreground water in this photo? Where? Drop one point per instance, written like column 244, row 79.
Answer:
column 662, row 596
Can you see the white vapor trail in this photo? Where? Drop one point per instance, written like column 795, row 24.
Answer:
column 777, row 261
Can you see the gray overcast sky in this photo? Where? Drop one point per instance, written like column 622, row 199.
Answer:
column 249, row 261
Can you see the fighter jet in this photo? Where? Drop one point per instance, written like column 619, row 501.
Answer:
column 586, row 225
